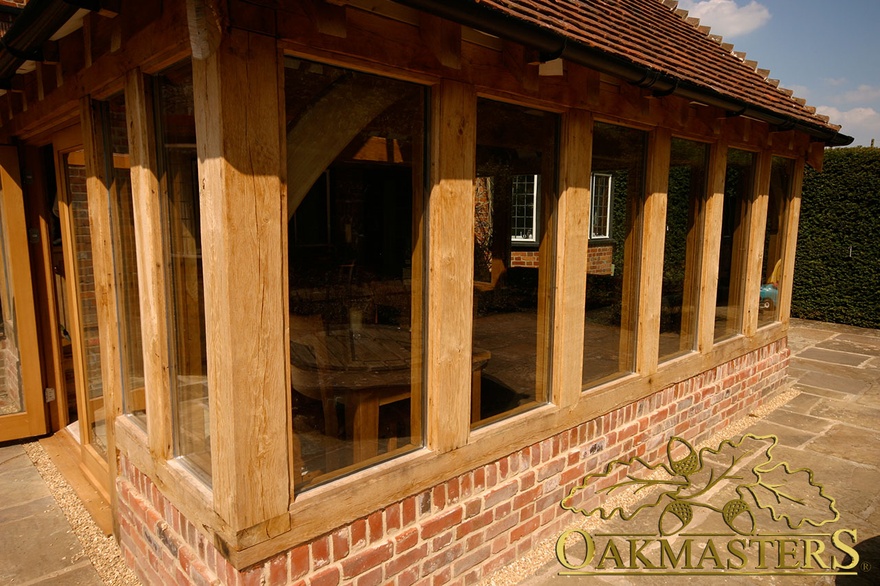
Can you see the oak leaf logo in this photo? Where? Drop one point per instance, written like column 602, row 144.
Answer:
column 737, row 480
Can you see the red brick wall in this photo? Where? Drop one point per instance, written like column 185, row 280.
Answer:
column 599, row 260
column 524, row 258
column 466, row 528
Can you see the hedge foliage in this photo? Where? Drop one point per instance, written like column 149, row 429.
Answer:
column 837, row 268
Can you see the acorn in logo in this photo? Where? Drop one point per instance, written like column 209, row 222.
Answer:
column 675, row 517
column 738, row 516
column 688, row 465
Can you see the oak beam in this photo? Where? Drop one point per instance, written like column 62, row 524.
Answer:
column 443, row 39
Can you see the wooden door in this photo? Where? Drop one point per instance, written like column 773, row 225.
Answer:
column 22, row 406
column 80, row 306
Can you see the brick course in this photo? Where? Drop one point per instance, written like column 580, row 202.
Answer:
column 464, row 529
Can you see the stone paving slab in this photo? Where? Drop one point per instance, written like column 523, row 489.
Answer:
column 834, row 356
column 37, row 544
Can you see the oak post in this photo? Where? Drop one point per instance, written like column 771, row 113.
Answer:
column 242, row 216
column 789, row 240
column 150, row 263
column 711, row 246
column 450, row 269
column 573, row 213
column 99, row 180
column 653, row 239
column 755, row 257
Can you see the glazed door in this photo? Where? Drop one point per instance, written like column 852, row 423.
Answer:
column 22, row 407
column 78, row 305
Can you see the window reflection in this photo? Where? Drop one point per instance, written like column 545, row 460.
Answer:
column 612, row 274
column 355, row 176
column 738, row 189
column 781, row 173
column 681, row 271
column 515, row 165
column 179, row 181
column 124, row 258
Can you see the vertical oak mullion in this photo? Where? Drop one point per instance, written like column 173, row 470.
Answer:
column 98, row 184
column 653, row 231
column 572, row 240
column 450, row 270
column 149, row 242
column 755, row 256
column 789, row 243
column 711, row 246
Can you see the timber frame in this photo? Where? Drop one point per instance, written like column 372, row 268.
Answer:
column 238, row 50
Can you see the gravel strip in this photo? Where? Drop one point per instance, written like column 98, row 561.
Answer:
column 101, row 549
column 545, row 552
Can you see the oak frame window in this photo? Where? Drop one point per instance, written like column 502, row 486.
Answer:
column 178, row 177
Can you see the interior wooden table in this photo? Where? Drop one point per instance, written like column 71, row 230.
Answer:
column 365, row 367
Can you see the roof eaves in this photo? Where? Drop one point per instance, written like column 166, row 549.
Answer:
column 553, row 36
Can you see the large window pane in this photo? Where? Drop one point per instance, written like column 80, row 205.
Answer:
column 516, row 165
column 612, row 287
column 124, row 259
column 681, row 271
column 781, row 173
column 739, row 185
column 355, row 189
column 179, row 180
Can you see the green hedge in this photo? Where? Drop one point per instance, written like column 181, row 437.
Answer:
column 837, row 269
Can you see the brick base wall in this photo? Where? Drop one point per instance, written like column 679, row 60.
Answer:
column 466, row 528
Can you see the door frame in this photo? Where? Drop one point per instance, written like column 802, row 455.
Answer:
column 32, row 421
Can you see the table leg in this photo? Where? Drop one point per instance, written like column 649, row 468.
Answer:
column 362, row 421
column 476, row 394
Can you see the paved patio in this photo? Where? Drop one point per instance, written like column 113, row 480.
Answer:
column 832, row 427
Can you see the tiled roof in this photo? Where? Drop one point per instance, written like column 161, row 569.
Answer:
column 655, row 35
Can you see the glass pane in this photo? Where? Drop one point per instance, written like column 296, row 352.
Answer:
column 525, row 190
column 781, row 173
column 681, row 271
column 601, row 208
column 738, row 189
column 516, row 149
column 125, row 260
column 612, row 279
column 11, row 397
column 189, row 382
column 355, row 183
column 75, row 173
